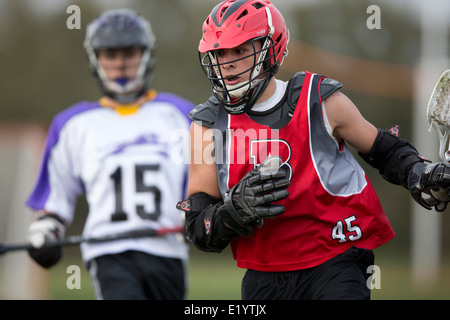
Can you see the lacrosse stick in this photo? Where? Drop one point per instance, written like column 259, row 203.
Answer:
column 74, row 240
column 438, row 114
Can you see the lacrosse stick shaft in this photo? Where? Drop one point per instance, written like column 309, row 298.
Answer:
column 75, row 240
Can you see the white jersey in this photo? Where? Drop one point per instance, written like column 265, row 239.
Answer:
column 130, row 167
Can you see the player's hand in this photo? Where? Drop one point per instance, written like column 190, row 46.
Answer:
column 250, row 201
column 433, row 180
column 46, row 228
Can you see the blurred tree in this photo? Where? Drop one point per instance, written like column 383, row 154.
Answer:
column 44, row 67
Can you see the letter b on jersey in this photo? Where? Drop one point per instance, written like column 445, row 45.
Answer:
column 260, row 150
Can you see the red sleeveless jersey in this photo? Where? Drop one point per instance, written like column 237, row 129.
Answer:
column 331, row 204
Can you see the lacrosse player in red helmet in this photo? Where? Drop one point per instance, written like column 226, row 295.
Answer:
column 270, row 173
column 117, row 151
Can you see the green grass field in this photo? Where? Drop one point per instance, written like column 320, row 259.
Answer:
column 216, row 277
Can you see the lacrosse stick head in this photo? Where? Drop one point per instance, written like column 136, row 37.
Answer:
column 438, row 114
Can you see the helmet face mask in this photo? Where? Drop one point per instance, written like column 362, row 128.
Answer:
column 121, row 29
column 125, row 89
column 239, row 98
column 233, row 23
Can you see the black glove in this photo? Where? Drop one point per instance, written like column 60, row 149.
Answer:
column 46, row 228
column 250, row 200
column 432, row 179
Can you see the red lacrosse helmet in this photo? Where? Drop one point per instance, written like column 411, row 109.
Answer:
column 230, row 24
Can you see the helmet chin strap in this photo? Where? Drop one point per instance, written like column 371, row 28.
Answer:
column 237, row 90
column 125, row 98
column 110, row 88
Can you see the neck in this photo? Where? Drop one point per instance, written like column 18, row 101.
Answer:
column 270, row 90
column 129, row 108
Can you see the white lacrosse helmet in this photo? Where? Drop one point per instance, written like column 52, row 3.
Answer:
column 121, row 28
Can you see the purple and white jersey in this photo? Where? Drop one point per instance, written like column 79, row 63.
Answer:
column 133, row 169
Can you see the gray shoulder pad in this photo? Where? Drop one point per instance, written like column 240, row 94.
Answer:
column 295, row 86
column 328, row 86
column 205, row 113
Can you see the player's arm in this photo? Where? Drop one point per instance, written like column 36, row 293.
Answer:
column 55, row 193
column 348, row 124
column 204, row 227
column 391, row 155
column 211, row 222
column 202, row 167
column 47, row 227
column 397, row 160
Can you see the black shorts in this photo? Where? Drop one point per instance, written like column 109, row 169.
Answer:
column 343, row 277
column 133, row 275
